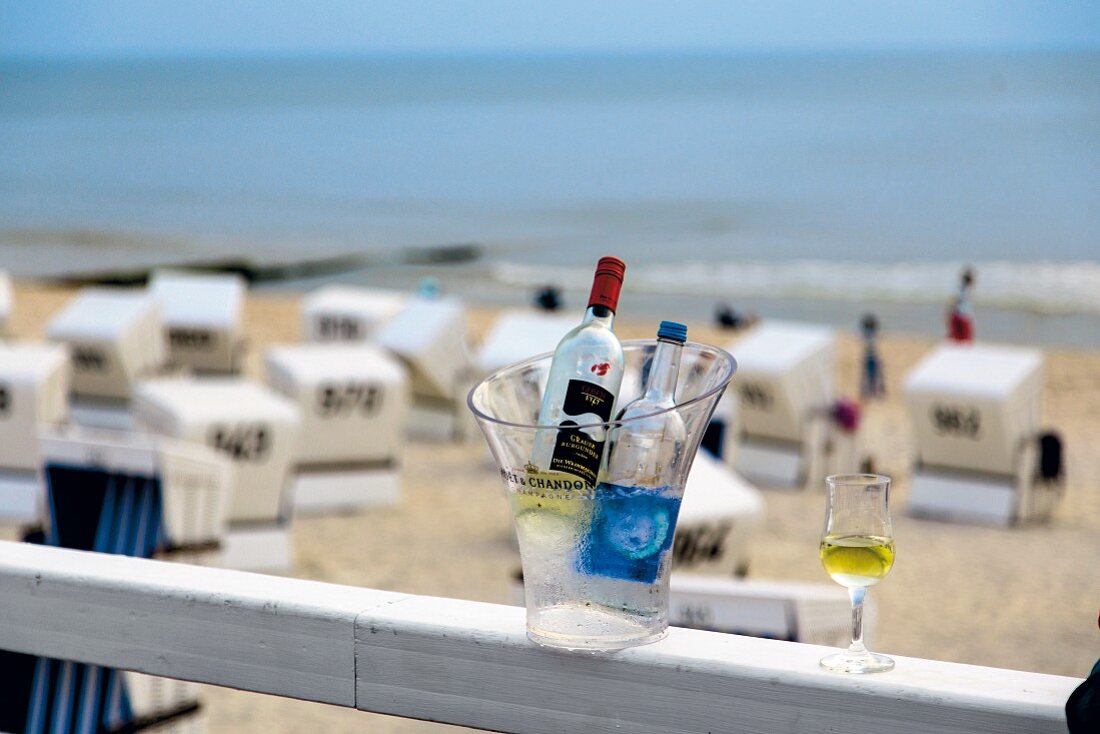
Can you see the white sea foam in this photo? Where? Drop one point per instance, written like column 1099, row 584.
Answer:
column 1038, row 287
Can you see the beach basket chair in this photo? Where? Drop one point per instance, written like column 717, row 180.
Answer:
column 975, row 411
column 337, row 313
column 430, row 337
column 202, row 314
column 34, row 389
column 786, row 384
column 129, row 495
column 816, row 614
column 258, row 430
column 353, row 399
column 519, row 334
column 719, row 514
column 115, row 337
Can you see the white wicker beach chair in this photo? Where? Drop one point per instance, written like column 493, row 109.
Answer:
column 353, row 400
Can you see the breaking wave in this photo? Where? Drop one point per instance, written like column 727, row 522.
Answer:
column 1038, row 287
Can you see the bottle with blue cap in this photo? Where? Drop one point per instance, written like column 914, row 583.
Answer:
column 646, row 447
column 637, row 503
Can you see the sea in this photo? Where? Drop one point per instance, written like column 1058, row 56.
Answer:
column 799, row 186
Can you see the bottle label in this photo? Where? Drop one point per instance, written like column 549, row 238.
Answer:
column 583, row 397
column 576, row 452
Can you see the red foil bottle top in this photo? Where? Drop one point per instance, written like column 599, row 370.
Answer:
column 607, row 283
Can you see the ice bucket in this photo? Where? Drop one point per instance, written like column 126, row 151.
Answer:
column 596, row 558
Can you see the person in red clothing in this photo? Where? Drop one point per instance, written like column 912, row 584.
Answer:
column 960, row 317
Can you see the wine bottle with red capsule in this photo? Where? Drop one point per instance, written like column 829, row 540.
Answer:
column 583, row 384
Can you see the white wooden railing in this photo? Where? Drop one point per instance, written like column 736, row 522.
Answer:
column 470, row 663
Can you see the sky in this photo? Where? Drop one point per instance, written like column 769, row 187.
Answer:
column 126, row 28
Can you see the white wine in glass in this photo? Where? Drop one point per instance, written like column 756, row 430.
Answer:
column 857, row 551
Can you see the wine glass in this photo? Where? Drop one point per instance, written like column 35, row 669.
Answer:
column 857, row 551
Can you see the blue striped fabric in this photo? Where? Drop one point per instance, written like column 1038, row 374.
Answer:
column 109, row 513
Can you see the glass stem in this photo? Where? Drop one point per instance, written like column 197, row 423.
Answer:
column 856, row 594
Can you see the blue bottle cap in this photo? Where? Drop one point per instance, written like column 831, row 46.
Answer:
column 673, row 331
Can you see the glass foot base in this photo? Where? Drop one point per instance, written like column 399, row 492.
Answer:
column 850, row 662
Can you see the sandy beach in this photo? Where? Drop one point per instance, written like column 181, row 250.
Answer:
column 1023, row 598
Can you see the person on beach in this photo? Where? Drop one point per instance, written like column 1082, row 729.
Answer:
column 960, row 317
column 728, row 317
column 873, row 385
column 548, row 298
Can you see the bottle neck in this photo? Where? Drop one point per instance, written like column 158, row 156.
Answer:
column 600, row 315
column 663, row 371
column 607, row 283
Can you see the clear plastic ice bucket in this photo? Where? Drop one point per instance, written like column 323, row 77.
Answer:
column 596, row 559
